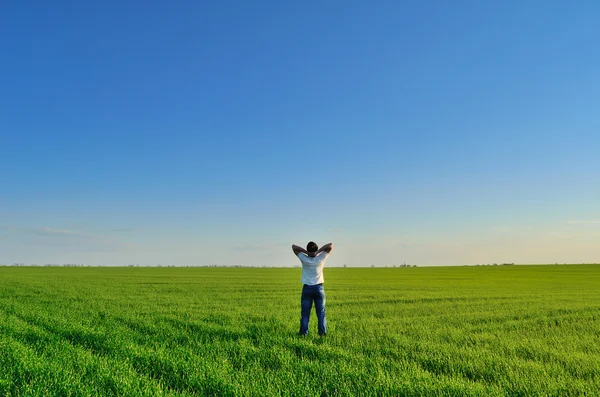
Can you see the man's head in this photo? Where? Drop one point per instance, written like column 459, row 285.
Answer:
column 311, row 247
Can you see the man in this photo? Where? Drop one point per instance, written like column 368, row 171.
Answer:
column 313, row 259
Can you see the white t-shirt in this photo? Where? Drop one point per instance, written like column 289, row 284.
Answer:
column 312, row 268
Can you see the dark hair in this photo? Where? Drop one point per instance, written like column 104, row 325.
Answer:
column 312, row 247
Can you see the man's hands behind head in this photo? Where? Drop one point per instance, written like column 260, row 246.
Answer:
column 297, row 249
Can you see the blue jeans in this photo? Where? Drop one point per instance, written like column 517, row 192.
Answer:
column 312, row 293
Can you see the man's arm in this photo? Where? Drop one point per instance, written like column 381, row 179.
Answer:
column 298, row 250
column 326, row 248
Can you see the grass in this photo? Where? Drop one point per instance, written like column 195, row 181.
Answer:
column 461, row 331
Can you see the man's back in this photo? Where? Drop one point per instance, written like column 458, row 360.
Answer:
column 312, row 268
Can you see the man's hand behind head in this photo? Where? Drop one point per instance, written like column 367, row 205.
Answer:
column 327, row 248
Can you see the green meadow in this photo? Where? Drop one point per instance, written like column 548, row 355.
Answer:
column 439, row 331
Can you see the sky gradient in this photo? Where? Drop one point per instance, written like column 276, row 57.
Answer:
column 431, row 133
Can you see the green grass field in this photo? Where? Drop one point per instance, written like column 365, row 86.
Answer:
column 460, row 331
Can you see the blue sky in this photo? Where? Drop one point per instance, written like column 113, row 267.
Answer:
column 434, row 133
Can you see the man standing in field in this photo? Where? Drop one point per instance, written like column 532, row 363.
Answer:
column 313, row 260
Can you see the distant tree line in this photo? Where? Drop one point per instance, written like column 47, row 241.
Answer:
column 403, row 265
column 495, row 264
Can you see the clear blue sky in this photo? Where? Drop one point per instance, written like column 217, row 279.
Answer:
column 434, row 133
